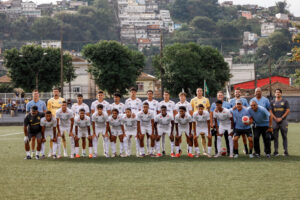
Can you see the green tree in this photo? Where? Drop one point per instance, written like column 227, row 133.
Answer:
column 34, row 67
column 114, row 66
column 203, row 23
column 69, row 70
column 297, row 77
column 186, row 66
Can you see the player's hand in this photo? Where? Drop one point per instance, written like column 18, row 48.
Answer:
column 43, row 139
column 278, row 119
column 71, row 134
column 76, row 138
column 94, row 135
column 90, row 137
column 106, row 135
column 26, row 139
column 211, row 125
column 270, row 130
column 58, row 134
column 54, row 139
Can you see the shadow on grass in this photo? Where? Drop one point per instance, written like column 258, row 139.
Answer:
column 182, row 159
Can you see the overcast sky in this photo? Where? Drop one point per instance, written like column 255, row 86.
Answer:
column 294, row 5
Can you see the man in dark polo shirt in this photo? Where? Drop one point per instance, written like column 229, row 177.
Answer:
column 280, row 108
column 33, row 130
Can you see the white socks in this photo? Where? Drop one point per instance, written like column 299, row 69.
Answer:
column 148, row 145
column 190, row 149
column 121, row 147
column 197, row 150
column 43, row 148
column 113, row 147
column 157, row 145
column 230, row 144
column 177, row 149
column 95, row 145
column 59, row 145
column 72, row 146
column 54, row 148
column 209, row 150
column 125, row 144
column 137, row 145
column 76, row 150
column 163, row 142
column 27, row 153
column 83, row 151
column 172, row 147
column 90, row 150
column 219, row 142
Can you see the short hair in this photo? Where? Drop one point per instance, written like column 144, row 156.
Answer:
column 56, row 88
column 200, row 106
column 117, row 95
column 99, row 106
column 219, row 102
column 166, row 91
column 79, row 95
column 34, row 108
column 220, row 91
column 128, row 109
column 278, row 89
column 82, row 110
column 163, row 107
column 238, row 88
column 182, row 108
column 253, row 101
column 35, row 90
column 146, row 103
column 133, row 89
column 115, row 110
column 48, row 112
column 100, row 92
column 150, row 91
column 182, row 93
column 64, row 102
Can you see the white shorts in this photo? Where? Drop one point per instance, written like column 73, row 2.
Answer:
column 100, row 131
column 130, row 132
column 63, row 130
column 162, row 131
column 222, row 129
column 201, row 130
column 82, row 134
column 181, row 131
column 145, row 129
column 116, row 132
column 49, row 134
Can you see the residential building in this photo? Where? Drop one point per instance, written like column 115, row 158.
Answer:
column 249, row 38
column 147, row 82
column 246, row 14
column 17, row 8
column 267, row 29
column 227, row 4
column 51, row 43
column 262, row 82
column 142, row 43
column 76, row 4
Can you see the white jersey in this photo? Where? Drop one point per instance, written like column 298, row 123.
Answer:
column 115, row 123
column 223, row 117
column 134, row 105
column 130, row 123
column 48, row 125
column 64, row 117
column 201, row 120
column 100, row 120
column 164, row 122
column 120, row 107
column 106, row 105
column 145, row 119
column 153, row 106
column 76, row 107
column 82, row 124
column 170, row 107
column 183, row 123
column 186, row 104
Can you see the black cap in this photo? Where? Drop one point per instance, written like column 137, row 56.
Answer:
column 34, row 108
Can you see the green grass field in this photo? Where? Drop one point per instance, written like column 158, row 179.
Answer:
column 147, row 178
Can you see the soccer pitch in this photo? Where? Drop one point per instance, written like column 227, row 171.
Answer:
column 147, row 178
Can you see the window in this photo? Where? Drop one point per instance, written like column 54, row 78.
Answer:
column 140, row 86
column 76, row 89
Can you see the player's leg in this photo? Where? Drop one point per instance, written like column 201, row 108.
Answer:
column 163, row 141
column 219, row 143
column 236, row 145
column 226, row 133
column 76, row 141
column 72, row 144
column 230, row 141
column 257, row 133
column 250, row 140
column 157, row 144
column 152, row 145
column 64, row 145
column 267, row 141
column 246, row 151
column 90, row 139
column 275, row 134
column 203, row 141
column 27, row 146
column 113, row 141
column 33, row 138
column 190, row 143
column 83, row 143
column 129, row 136
column 172, row 138
column 59, row 139
column 51, row 147
column 148, row 143
column 125, row 145
column 197, row 150
column 142, row 148
column 209, row 143
column 284, row 132
column 54, row 146
column 121, row 145
column 39, row 145
column 43, row 147
column 177, row 145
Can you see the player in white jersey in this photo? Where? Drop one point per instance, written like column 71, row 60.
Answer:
column 115, row 128
column 117, row 104
column 99, row 119
column 48, row 124
column 100, row 100
column 65, row 123
column 146, row 126
column 183, row 125
column 134, row 103
column 130, row 126
column 153, row 107
column 80, row 105
column 164, row 124
column 201, row 126
column 170, row 110
column 83, row 131
column 224, row 117
column 185, row 103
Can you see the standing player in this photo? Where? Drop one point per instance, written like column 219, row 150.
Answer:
column 115, row 128
column 146, row 126
column 99, row 120
column 53, row 105
column 48, row 124
column 117, row 104
column 65, row 123
column 185, row 103
column 223, row 122
column 261, row 100
column 33, row 130
column 200, row 99
column 153, row 107
column 170, row 105
column 164, row 124
column 82, row 130
column 201, row 126
column 76, row 107
column 241, row 128
column 130, row 126
column 100, row 100
column 183, row 125
column 263, row 126
column 280, row 109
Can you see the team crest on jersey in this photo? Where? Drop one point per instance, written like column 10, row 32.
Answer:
column 38, row 118
column 282, row 103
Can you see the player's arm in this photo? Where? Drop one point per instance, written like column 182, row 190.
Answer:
column 285, row 114
column 58, row 127
column 155, row 127
column 194, row 128
column 270, row 129
column 54, row 134
column 232, row 123
column 123, row 130
column 211, row 115
column 43, row 132
column 72, row 125
column 272, row 114
column 216, row 125
column 107, row 130
column 152, row 126
column 138, row 127
column 172, row 126
column 49, row 107
column 208, row 126
column 176, row 128
column 94, row 130
column 190, row 128
column 76, row 131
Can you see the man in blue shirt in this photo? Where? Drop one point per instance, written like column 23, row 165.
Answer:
column 263, row 126
column 241, row 128
column 36, row 102
column 237, row 96
column 225, row 104
column 261, row 101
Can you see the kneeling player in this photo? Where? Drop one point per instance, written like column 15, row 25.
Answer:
column 241, row 128
column 224, row 117
column 164, row 124
column 116, row 130
column 183, row 124
column 201, row 127
column 99, row 120
column 146, row 126
column 130, row 126
column 82, row 130
column 48, row 124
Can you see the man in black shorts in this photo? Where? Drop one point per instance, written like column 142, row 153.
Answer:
column 33, row 130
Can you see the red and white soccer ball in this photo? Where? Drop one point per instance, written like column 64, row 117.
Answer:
column 246, row 120
column 223, row 151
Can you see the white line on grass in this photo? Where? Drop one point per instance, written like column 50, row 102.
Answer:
column 11, row 134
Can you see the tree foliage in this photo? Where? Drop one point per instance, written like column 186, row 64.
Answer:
column 186, row 66
column 115, row 67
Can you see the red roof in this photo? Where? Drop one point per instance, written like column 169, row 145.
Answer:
column 144, row 41
column 262, row 82
column 153, row 26
column 5, row 79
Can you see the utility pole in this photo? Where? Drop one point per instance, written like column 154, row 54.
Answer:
column 255, row 75
column 61, row 62
column 161, row 65
column 270, row 78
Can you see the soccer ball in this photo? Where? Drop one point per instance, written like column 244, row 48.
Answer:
column 223, row 151
column 246, row 120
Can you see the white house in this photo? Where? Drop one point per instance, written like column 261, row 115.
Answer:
column 267, row 29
